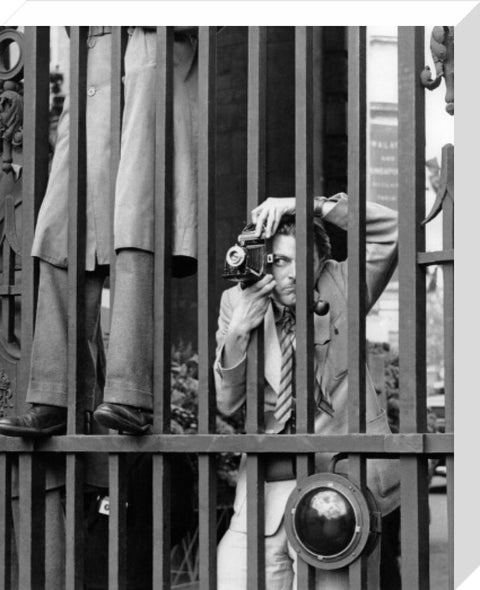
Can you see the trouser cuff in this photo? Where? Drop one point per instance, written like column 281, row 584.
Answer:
column 51, row 395
column 115, row 394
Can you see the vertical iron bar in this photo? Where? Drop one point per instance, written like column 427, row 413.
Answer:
column 77, row 224
column 318, row 111
column 411, row 206
column 9, row 276
column 35, row 175
column 356, row 228
column 207, row 47
column 76, row 302
column 162, row 299
column 117, row 523
column 31, row 546
column 304, row 258
column 448, row 354
column 117, row 538
column 357, row 166
column 256, row 134
column 357, row 149
column 31, row 537
column 119, row 42
column 5, row 521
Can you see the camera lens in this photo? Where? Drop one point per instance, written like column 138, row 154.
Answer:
column 235, row 256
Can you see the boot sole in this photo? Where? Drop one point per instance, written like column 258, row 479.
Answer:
column 114, row 422
column 22, row 431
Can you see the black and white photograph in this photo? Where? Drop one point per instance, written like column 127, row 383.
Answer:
column 227, row 306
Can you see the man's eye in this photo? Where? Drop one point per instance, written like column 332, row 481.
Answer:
column 279, row 262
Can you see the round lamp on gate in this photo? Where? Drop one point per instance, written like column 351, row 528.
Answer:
column 329, row 522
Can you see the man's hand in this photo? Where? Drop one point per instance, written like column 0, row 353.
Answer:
column 248, row 314
column 250, row 309
column 269, row 213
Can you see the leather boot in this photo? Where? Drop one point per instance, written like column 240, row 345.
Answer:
column 39, row 420
column 123, row 418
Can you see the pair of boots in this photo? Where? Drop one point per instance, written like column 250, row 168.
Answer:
column 45, row 420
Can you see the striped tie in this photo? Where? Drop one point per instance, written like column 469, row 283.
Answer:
column 283, row 409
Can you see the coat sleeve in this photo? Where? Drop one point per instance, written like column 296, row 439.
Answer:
column 230, row 384
column 381, row 244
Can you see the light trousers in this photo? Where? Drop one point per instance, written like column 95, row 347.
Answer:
column 130, row 354
column 280, row 565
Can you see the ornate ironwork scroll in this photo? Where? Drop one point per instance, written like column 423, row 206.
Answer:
column 11, row 139
column 11, row 99
column 442, row 48
column 6, row 395
column 446, row 184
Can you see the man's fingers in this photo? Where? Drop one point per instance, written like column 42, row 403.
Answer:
column 272, row 223
column 267, row 288
column 257, row 288
column 268, row 278
column 260, row 220
column 256, row 212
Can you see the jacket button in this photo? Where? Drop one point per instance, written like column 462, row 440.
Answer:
column 91, row 91
column 91, row 42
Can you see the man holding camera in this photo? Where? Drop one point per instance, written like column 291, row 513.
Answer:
column 271, row 300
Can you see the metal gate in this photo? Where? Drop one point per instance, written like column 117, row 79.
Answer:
column 413, row 444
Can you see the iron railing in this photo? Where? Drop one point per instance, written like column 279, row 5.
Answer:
column 413, row 445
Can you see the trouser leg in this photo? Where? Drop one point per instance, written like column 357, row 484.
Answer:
column 48, row 367
column 232, row 562
column 129, row 378
column 54, row 538
column 280, row 565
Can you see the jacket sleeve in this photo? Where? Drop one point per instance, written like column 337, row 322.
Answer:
column 230, row 384
column 381, row 244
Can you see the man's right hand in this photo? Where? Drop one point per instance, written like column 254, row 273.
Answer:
column 248, row 314
column 252, row 305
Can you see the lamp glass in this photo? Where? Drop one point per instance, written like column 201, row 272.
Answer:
column 325, row 522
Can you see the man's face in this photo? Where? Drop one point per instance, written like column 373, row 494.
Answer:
column 284, row 269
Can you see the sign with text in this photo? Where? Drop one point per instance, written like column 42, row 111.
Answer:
column 383, row 171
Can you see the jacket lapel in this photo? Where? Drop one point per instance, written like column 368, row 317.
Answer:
column 273, row 354
column 322, row 337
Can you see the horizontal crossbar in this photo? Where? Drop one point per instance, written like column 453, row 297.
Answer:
column 10, row 290
column 437, row 257
column 363, row 444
